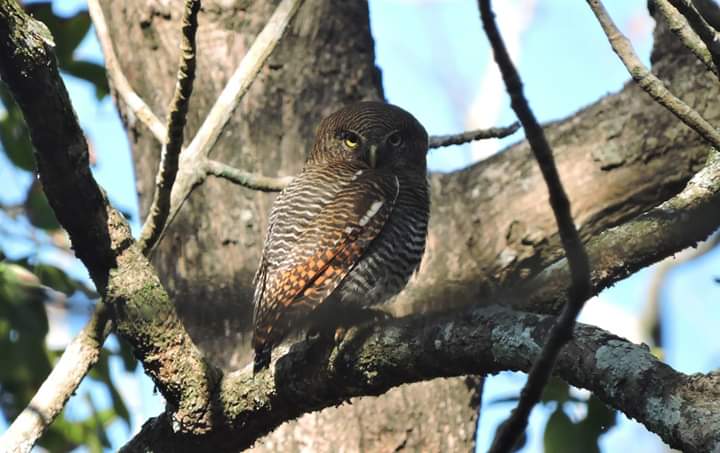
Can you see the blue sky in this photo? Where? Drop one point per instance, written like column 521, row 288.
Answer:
column 434, row 59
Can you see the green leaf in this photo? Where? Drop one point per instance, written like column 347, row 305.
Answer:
column 556, row 390
column 55, row 278
column 14, row 135
column 563, row 436
column 38, row 209
column 600, row 418
column 91, row 72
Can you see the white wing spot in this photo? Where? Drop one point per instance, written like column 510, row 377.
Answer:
column 374, row 208
column 355, row 176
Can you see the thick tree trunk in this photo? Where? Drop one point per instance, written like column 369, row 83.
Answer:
column 209, row 255
column 617, row 158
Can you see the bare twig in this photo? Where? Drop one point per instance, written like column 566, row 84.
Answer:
column 579, row 292
column 679, row 25
column 242, row 78
column 250, row 180
column 77, row 359
column 176, row 125
column 136, row 105
column 647, row 80
column 192, row 160
column 437, row 141
column 707, row 33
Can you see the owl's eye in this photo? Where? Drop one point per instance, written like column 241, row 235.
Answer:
column 351, row 140
column 395, row 139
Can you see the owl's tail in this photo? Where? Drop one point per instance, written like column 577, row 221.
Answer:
column 262, row 359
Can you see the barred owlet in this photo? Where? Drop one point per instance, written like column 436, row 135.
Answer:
column 349, row 231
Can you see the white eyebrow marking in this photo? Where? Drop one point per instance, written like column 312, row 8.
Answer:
column 374, row 208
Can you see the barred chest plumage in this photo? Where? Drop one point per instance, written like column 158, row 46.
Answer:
column 395, row 254
column 392, row 257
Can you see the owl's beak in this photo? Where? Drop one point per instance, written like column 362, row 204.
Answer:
column 372, row 156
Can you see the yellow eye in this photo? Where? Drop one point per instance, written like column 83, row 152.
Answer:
column 352, row 141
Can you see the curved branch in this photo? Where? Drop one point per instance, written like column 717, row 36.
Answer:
column 483, row 340
column 678, row 223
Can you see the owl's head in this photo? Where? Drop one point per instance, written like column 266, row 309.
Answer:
column 381, row 135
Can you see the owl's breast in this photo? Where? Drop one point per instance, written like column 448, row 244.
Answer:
column 393, row 256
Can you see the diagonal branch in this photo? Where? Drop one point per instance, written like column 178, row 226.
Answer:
column 136, row 105
column 648, row 81
column 372, row 360
column 77, row 359
column 436, row 141
column 242, row 78
column 679, row 25
column 579, row 291
column 707, row 33
column 142, row 311
column 177, row 115
column 192, row 168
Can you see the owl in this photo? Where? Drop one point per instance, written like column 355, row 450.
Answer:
column 348, row 232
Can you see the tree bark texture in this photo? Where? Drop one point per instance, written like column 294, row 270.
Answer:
column 617, row 158
column 210, row 254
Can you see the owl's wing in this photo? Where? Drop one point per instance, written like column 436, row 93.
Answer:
column 329, row 249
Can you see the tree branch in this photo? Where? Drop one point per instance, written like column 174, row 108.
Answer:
column 77, row 359
column 101, row 238
column 436, row 141
column 647, row 80
column 708, row 34
column 245, row 179
column 371, row 360
column 243, row 78
column 509, row 432
column 136, row 105
column 270, row 184
column 178, row 109
column 676, row 224
column 191, row 171
column 679, row 25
